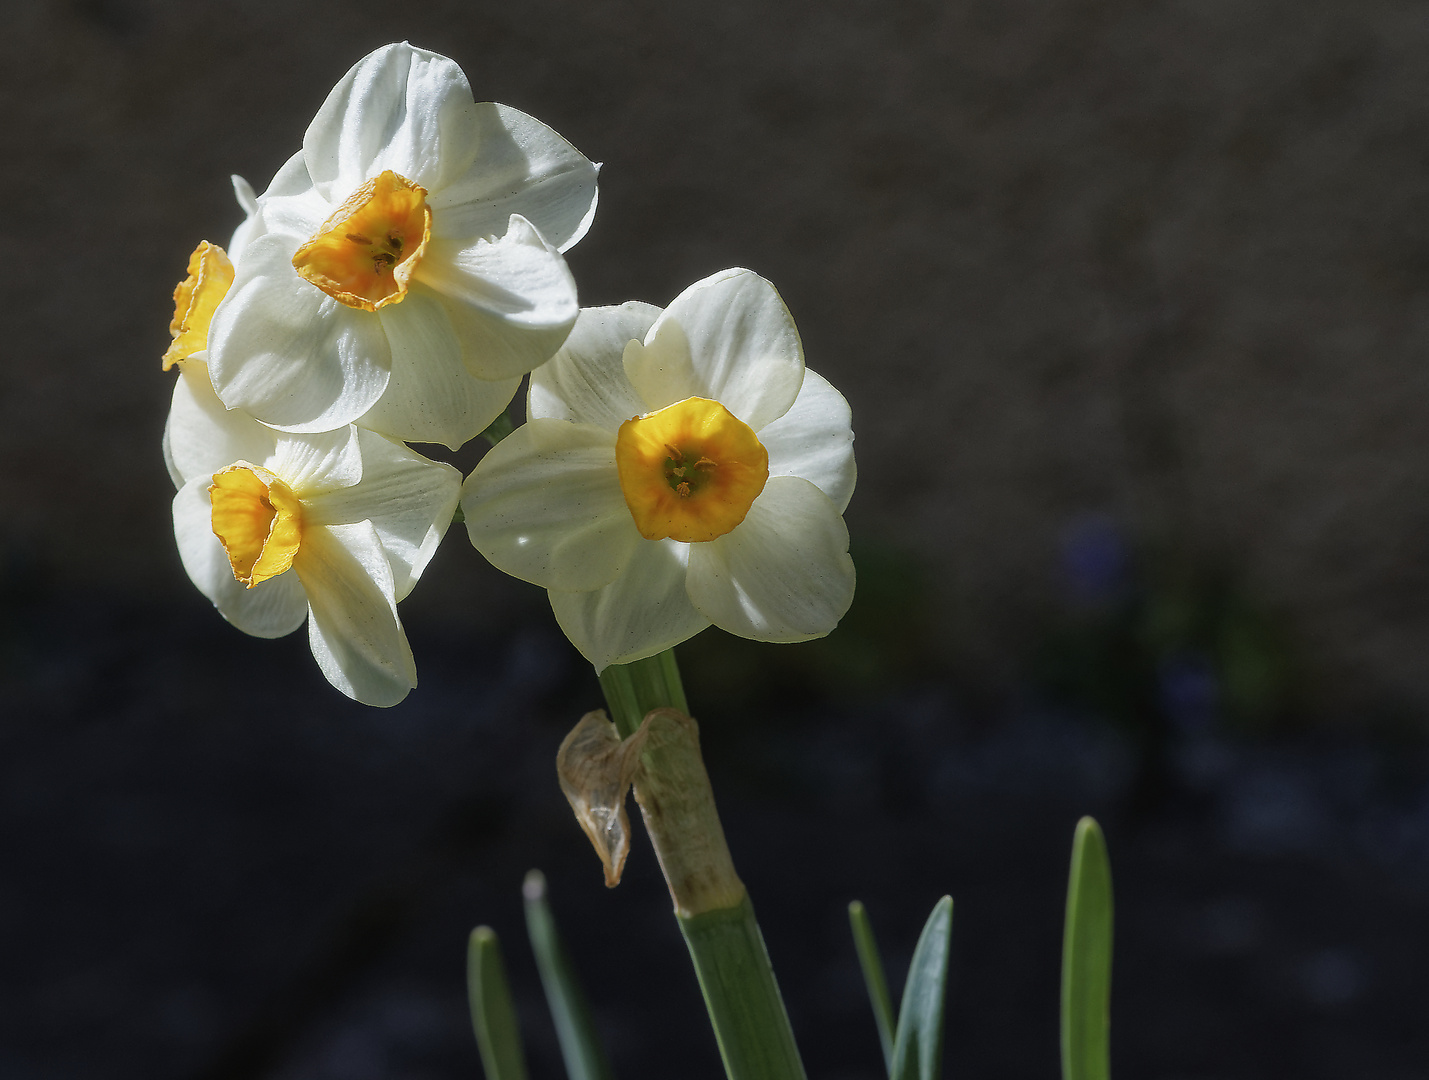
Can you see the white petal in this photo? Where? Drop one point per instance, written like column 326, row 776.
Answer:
column 512, row 301
column 659, row 368
column 354, row 631
column 522, row 167
column 585, row 381
column 544, row 505
column 294, row 358
column 743, row 346
column 292, row 178
column 243, row 192
column 168, row 451
column 783, row 574
column 642, row 612
column 409, row 499
column 297, row 218
column 431, row 396
column 291, row 207
column 399, row 108
column 313, row 464
column 269, row 610
column 201, row 436
column 814, row 440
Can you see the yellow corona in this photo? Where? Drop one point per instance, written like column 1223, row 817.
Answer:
column 690, row 471
column 365, row 253
column 259, row 521
column 210, row 275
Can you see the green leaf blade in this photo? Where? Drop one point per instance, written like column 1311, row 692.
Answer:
column 1086, row 959
column 493, row 1017
column 581, row 1047
column 873, row 978
column 918, row 1044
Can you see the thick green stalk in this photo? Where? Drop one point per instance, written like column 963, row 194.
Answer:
column 741, row 996
column 746, row 1010
column 632, row 690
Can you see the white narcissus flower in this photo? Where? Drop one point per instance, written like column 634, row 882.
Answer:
column 210, row 276
column 334, row 528
column 404, row 269
column 678, row 468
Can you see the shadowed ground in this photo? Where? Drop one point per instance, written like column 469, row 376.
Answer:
column 269, row 881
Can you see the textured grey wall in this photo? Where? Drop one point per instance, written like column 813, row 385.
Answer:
column 1165, row 261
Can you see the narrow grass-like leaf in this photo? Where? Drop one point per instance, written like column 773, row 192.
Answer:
column 873, row 978
column 918, row 1045
column 575, row 1029
column 1086, row 959
column 492, row 1015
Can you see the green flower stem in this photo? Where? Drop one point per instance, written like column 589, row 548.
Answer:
column 741, row 996
column 632, row 690
column 712, row 908
column 499, row 429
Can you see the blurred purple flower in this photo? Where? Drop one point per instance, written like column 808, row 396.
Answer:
column 1096, row 564
column 1189, row 690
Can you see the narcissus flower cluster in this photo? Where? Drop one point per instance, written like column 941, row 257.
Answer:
column 396, row 279
column 394, row 283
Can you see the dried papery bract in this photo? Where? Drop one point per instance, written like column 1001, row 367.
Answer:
column 662, row 761
column 596, row 768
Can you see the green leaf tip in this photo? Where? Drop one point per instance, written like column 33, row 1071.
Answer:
column 1086, row 958
column 581, row 1049
column 493, row 1017
column 873, row 978
column 918, row 1044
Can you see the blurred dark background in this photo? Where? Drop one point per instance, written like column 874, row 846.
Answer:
column 1129, row 301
